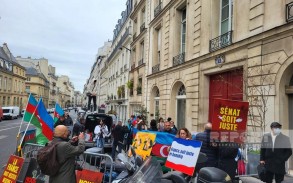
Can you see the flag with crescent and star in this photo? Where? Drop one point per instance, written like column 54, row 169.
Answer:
column 45, row 133
column 57, row 112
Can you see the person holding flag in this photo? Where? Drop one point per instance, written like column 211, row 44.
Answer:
column 37, row 115
column 57, row 112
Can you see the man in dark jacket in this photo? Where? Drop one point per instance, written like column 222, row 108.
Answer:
column 275, row 151
column 68, row 119
column 78, row 127
column 208, row 147
column 60, row 121
column 168, row 129
column 118, row 135
column 66, row 153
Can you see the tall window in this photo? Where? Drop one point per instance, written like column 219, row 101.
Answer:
column 4, row 101
column 159, row 33
column 157, row 104
column 181, row 106
column 1, row 82
column 139, row 86
column 5, row 83
column 183, row 31
column 226, row 16
column 141, row 50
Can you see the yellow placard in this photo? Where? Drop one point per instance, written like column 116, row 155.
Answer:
column 143, row 143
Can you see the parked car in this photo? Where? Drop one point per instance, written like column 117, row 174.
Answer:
column 114, row 118
column 11, row 112
column 92, row 120
column 1, row 113
column 22, row 112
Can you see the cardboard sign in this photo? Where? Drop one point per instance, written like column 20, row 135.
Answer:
column 12, row 169
column 88, row 176
column 183, row 155
column 229, row 120
column 143, row 143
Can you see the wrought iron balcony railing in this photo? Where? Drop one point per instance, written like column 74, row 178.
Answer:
column 158, row 9
column 179, row 59
column 121, row 70
column 140, row 62
column 156, row 68
column 125, row 67
column 289, row 12
column 221, row 41
column 142, row 27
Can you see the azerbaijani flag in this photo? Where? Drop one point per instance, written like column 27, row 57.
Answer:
column 45, row 133
column 29, row 111
column 57, row 112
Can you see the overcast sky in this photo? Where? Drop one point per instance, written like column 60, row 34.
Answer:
column 66, row 32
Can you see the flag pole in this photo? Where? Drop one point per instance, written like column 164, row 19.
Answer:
column 19, row 146
column 23, row 117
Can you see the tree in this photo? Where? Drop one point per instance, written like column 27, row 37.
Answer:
column 143, row 112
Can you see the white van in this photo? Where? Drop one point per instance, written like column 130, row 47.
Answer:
column 10, row 112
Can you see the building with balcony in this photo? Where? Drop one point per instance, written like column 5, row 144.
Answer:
column 37, row 84
column 53, row 91
column 239, row 50
column 65, row 89
column 117, row 64
column 12, row 80
column 139, row 56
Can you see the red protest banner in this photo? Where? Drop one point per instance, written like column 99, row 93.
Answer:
column 229, row 120
column 88, row 176
column 12, row 169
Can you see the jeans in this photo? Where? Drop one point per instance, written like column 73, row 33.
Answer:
column 114, row 146
column 94, row 101
column 100, row 142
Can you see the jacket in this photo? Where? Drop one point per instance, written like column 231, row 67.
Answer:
column 227, row 153
column 208, row 149
column 101, row 131
column 275, row 158
column 66, row 153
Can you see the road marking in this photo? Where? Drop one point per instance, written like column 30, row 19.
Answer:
column 3, row 136
column 9, row 128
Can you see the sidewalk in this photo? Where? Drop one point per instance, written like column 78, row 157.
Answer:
column 287, row 179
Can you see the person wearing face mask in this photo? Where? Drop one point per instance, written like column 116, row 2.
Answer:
column 275, row 151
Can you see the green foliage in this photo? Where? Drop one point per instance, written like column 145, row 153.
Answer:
column 143, row 112
column 129, row 84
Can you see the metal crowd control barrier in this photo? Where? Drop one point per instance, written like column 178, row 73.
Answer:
column 88, row 160
column 98, row 162
column 30, row 150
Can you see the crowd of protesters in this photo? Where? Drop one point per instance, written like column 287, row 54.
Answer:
column 221, row 154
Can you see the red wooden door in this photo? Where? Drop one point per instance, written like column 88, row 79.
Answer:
column 227, row 85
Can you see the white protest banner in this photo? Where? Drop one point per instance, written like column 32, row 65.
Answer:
column 183, row 155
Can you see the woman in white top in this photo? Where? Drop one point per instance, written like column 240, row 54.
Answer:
column 101, row 131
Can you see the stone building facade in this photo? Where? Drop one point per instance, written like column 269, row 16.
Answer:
column 12, row 80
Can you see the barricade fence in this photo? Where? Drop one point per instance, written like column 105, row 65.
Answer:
column 251, row 154
column 97, row 163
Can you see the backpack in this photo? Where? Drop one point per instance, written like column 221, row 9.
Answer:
column 47, row 159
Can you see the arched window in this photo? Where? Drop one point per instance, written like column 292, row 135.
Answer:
column 181, row 91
